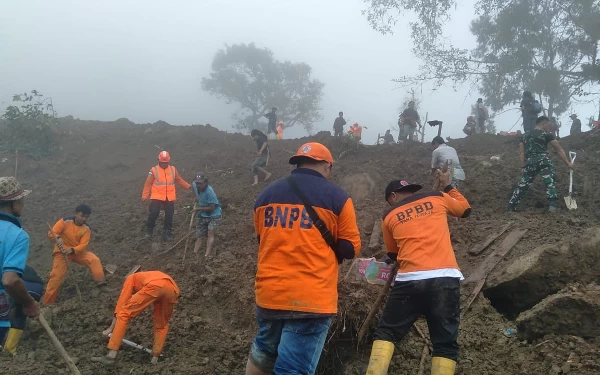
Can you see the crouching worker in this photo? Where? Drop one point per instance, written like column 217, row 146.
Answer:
column 416, row 234
column 141, row 290
column 73, row 235
column 35, row 288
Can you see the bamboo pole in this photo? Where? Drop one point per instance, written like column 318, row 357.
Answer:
column 58, row 346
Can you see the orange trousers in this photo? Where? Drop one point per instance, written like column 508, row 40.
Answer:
column 163, row 295
column 59, row 271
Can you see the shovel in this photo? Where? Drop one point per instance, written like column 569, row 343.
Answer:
column 569, row 200
column 110, row 268
column 134, row 345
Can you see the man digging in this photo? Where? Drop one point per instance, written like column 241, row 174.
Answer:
column 209, row 217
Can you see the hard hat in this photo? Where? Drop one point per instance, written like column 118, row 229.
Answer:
column 312, row 150
column 164, row 157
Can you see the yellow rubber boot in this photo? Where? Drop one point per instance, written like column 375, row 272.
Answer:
column 12, row 340
column 442, row 366
column 381, row 355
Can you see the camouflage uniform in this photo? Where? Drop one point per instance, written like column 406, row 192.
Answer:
column 537, row 161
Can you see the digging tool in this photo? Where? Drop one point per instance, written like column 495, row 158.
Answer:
column 176, row 244
column 133, row 270
column 64, row 254
column 365, row 326
column 110, row 268
column 187, row 241
column 134, row 345
column 58, row 346
column 569, row 200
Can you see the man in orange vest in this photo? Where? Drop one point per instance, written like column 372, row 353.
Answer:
column 141, row 290
column 415, row 233
column 356, row 131
column 280, row 130
column 160, row 189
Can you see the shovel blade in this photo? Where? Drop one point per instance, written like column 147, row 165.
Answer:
column 133, row 270
column 571, row 203
column 110, row 268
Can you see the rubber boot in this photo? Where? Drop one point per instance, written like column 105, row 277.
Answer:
column 103, row 287
column 148, row 234
column 442, row 366
column 168, row 236
column 12, row 340
column 381, row 355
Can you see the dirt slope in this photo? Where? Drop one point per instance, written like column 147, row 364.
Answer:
column 105, row 164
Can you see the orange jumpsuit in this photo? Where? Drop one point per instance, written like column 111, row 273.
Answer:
column 279, row 132
column 76, row 237
column 152, row 287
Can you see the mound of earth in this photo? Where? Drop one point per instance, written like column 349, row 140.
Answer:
column 105, row 165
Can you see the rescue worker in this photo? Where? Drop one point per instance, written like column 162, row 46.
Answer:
column 481, row 115
column 338, row 125
column 297, row 276
column 73, row 239
column 35, row 288
column 407, row 122
column 271, row 127
column 209, row 216
column 160, row 189
column 529, row 110
column 471, row 126
column 575, row 125
column 356, row 131
column 141, row 290
column 263, row 154
column 440, row 156
column 416, row 234
column 280, row 130
column 535, row 159
column 14, row 250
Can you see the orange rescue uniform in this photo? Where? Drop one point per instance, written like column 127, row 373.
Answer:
column 417, row 230
column 141, row 290
column 160, row 184
column 279, row 132
column 76, row 237
column 356, row 131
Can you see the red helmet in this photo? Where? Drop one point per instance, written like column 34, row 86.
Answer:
column 164, row 157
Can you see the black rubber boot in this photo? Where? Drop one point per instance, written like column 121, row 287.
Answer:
column 168, row 236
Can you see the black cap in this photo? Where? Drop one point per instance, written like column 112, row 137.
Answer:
column 480, row 100
column 200, row 177
column 401, row 186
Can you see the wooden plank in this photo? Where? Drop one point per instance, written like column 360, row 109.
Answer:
column 481, row 274
column 374, row 242
column 491, row 238
column 495, row 257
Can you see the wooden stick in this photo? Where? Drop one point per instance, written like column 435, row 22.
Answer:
column 66, row 259
column 425, row 341
column 375, row 235
column 58, row 346
column 384, row 291
column 424, row 354
column 350, row 270
column 491, row 238
column 16, row 161
column 176, row 244
column 187, row 241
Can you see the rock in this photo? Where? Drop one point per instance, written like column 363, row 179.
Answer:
column 520, row 284
column 205, row 360
column 570, row 312
column 566, row 368
column 555, row 370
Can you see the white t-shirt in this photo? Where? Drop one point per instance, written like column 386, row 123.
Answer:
column 442, row 154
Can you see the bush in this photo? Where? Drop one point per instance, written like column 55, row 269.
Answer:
column 30, row 125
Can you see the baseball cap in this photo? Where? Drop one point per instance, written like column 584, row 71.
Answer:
column 200, row 177
column 312, row 150
column 401, row 186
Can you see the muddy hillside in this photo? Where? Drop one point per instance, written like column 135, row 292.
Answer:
column 537, row 278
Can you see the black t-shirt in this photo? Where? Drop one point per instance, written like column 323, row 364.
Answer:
column 272, row 118
column 339, row 123
column 30, row 275
column 259, row 143
column 411, row 113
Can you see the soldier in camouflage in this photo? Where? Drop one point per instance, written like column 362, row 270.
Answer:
column 535, row 159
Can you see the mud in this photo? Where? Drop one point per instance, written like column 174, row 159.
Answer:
column 105, row 164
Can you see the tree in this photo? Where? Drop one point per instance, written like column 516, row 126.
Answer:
column 546, row 46
column 30, row 124
column 251, row 77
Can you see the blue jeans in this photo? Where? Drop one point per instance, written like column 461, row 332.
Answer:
column 289, row 346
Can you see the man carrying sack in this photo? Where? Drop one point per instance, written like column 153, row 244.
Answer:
column 416, row 234
column 305, row 226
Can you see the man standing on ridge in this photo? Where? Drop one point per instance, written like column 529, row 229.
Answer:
column 305, row 227
column 416, row 234
column 529, row 110
column 338, row 125
column 481, row 114
column 160, row 189
column 575, row 125
column 534, row 158
column 141, row 290
column 440, row 156
column 280, row 130
column 14, row 249
column 263, row 154
column 271, row 127
column 407, row 122
column 209, row 216
column 73, row 235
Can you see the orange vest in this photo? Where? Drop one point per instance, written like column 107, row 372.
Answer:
column 161, row 183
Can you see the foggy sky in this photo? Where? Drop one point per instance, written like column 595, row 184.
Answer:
column 144, row 60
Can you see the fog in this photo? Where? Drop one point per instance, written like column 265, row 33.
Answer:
column 144, row 60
